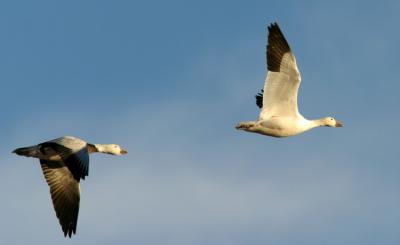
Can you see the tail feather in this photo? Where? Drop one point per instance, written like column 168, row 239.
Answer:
column 245, row 125
column 26, row 151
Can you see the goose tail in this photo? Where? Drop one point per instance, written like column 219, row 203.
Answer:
column 30, row 151
column 245, row 125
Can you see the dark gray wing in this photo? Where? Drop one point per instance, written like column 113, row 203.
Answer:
column 76, row 161
column 65, row 193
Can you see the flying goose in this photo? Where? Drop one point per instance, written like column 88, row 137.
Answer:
column 279, row 115
column 64, row 162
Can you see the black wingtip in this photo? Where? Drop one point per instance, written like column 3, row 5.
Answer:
column 273, row 24
column 71, row 230
column 259, row 99
column 277, row 46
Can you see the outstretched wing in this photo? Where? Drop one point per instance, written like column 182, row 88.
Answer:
column 283, row 77
column 65, row 193
column 75, row 157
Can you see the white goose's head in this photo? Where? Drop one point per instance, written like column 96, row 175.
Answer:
column 331, row 122
column 112, row 149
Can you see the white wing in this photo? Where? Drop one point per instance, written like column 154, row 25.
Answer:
column 283, row 77
column 73, row 143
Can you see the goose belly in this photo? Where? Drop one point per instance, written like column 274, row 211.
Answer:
column 279, row 127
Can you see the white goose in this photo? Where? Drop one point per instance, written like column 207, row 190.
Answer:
column 279, row 116
column 64, row 162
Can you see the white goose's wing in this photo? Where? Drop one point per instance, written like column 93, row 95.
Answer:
column 65, row 193
column 73, row 151
column 283, row 78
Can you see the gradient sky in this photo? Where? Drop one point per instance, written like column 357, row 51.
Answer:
column 168, row 80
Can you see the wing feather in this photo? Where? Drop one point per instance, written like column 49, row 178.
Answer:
column 77, row 160
column 283, row 77
column 65, row 194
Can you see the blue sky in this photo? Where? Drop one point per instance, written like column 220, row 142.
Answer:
column 168, row 80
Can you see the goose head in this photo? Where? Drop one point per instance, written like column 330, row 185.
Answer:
column 331, row 122
column 112, row 149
